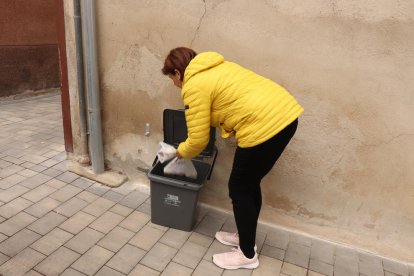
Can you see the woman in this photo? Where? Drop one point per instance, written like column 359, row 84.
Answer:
column 261, row 115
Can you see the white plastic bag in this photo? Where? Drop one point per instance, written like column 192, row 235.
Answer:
column 165, row 152
column 181, row 166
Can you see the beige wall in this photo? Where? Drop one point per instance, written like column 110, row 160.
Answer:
column 347, row 176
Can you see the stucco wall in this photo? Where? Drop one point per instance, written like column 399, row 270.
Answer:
column 347, row 175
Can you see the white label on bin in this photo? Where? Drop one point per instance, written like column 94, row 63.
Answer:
column 172, row 200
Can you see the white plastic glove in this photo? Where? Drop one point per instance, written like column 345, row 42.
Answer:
column 165, row 152
column 181, row 166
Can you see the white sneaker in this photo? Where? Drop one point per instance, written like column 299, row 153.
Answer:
column 227, row 238
column 235, row 260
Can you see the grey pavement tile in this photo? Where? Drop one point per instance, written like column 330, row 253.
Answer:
column 145, row 208
column 121, row 210
column 52, row 241
column 35, row 181
column 386, row 273
column 67, row 177
column 87, row 196
column 42, row 207
column 61, row 156
column 142, row 270
column 229, row 225
column 4, row 163
column 190, row 254
column 300, row 239
column 291, row 269
column 176, row 269
column 111, row 195
column 71, row 272
column 126, row 258
column 62, row 166
column 159, row 256
column 32, row 158
column 321, row 267
column 277, row 238
column 370, row 265
column 38, row 168
column 71, row 207
column 84, row 240
column 13, row 207
column 16, row 243
column 98, row 189
column 3, row 258
column 116, row 239
column 52, row 172
column 134, row 199
column 125, row 188
column 298, row 254
column 49, row 163
column 346, row 262
column 98, row 207
column 146, row 237
column 65, row 193
column 10, row 181
column 77, row 222
column 200, row 239
column 206, row 268
column 57, row 184
column 273, row 252
column 12, row 193
column 313, row 273
column 12, row 169
column 395, row 267
column 268, row 266
column 28, row 165
column 135, row 221
column 216, row 247
column 50, row 154
column 3, row 237
column 82, row 183
column 33, row 273
column 16, row 223
column 107, row 271
column 106, row 222
column 21, row 263
column 323, row 251
column 27, row 173
column 57, row 262
column 38, row 193
column 13, row 160
column 92, row 260
column 210, row 225
column 175, row 238
column 47, row 223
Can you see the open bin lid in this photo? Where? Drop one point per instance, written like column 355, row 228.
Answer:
column 175, row 131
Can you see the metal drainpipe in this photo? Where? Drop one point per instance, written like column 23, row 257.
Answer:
column 92, row 84
column 84, row 159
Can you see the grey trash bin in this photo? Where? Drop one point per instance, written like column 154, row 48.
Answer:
column 174, row 198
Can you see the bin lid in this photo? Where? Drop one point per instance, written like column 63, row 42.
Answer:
column 175, row 130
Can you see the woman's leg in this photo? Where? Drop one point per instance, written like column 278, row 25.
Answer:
column 249, row 167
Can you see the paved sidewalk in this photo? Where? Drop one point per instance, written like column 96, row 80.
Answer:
column 54, row 222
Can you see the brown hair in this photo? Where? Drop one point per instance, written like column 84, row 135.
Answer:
column 178, row 59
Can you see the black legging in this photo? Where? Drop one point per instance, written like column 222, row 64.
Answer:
column 249, row 167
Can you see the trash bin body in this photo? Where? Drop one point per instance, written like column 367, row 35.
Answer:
column 174, row 198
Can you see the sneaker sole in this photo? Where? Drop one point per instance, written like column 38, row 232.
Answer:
column 224, row 242
column 247, row 266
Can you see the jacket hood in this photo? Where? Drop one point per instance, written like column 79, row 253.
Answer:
column 201, row 62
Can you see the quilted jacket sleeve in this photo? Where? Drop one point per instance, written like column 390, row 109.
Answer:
column 197, row 114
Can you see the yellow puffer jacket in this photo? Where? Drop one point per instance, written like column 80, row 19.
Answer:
column 223, row 94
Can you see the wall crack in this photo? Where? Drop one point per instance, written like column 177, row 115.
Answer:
column 199, row 24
